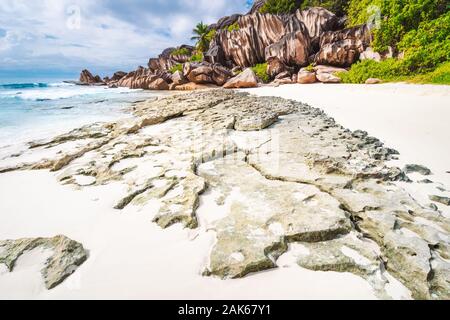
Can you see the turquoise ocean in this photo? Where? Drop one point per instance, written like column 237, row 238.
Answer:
column 37, row 110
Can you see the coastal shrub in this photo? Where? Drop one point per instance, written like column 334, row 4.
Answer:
column 279, row 6
column 177, row 67
column 395, row 70
column 419, row 29
column 310, row 68
column 233, row 27
column 387, row 70
column 338, row 7
column 360, row 11
column 261, row 72
column 181, row 52
column 428, row 46
column 210, row 35
column 397, row 17
column 439, row 76
column 197, row 57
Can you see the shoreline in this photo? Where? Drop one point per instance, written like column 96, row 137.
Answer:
column 108, row 233
column 27, row 115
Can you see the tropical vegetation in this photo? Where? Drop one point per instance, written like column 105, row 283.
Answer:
column 261, row 72
column 418, row 31
column 180, row 52
column 279, row 6
column 175, row 68
column 201, row 34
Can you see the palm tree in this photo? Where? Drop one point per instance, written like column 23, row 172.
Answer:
column 201, row 36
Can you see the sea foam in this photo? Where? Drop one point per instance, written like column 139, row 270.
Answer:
column 53, row 91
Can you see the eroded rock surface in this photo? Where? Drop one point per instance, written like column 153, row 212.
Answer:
column 67, row 256
column 281, row 171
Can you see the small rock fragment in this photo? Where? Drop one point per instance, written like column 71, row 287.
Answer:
column 413, row 168
column 373, row 81
column 439, row 199
column 67, row 256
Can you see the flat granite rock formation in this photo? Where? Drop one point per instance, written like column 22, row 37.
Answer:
column 281, row 171
column 67, row 256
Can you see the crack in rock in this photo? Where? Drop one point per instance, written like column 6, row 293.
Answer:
column 297, row 174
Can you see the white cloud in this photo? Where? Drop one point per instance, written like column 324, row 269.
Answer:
column 106, row 35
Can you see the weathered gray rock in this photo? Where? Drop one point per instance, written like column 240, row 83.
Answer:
column 328, row 78
column 441, row 200
column 328, row 74
column 205, row 73
column 373, row 81
column 186, row 203
column 292, row 49
column 305, row 77
column 440, row 277
column 257, row 122
column 191, row 86
column 275, row 66
column 291, row 38
column 280, row 172
column 118, row 75
column 167, row 59
column 343, row 48
column 87, row 78
column 283, row 75
column 318, row 21
column 401, row 251
column 220, row 74
column 158, row 84
column 178, row 78
column 246, row 79
column 369, row 54
column 341, row 53
column 253, row 234
column 346, row 254
column 413, row 168
column 139, row 79
column 67, row 256
column 201, row 74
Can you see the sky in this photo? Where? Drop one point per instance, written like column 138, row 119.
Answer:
column 65, row 36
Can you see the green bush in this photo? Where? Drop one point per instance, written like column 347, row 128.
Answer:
column 397, row 17
column 428, row 46
column 197, row 57
column 180, row 52
column 175, row 68
column 233, row 27
column 210, row 35
column 418, row 28
column 394, row 70
column 359, row 12
column 279, row 6
column 310, row 68
column 387, row 70
column 439, row 76
column 261, row 72
column 338, row 7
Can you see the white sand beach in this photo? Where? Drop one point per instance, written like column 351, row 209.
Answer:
column 409, row 118
column 132, row 258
